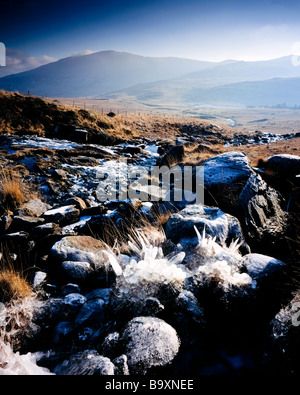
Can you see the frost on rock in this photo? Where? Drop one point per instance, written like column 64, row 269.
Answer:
column 149, row 342
column 87, row 363
column 220, row 263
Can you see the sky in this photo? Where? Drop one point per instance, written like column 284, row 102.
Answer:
column 36, row 32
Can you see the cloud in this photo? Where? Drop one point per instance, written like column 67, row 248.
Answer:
column 18, row 61
column 83, row 53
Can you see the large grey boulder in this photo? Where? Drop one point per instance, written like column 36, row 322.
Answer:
column 285, row 163
column 226, row 169
column 86, row 251
column 225, row 227
column 262, row 267
column 265, row 220
column 149, row 342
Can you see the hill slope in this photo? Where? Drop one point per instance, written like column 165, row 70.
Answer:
column 239, row 83
column 98, row 74
column 163, row 80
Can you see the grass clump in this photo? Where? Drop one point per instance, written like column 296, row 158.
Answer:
column 12, row 189
column 13, row 282
column 13, row 286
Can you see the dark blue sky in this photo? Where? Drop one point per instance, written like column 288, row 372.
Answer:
column 36, row 32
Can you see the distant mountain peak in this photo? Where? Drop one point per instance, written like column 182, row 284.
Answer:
column 156, row 79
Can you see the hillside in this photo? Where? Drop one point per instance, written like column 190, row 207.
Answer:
column 149, row 80
column 266, row 83
column 98, row 74
column 273, row 92
column 30, row 115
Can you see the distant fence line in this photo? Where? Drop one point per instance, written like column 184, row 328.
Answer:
column 82, row 104
column 117, row 110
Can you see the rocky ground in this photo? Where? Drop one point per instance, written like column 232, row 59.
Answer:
column 139, row 287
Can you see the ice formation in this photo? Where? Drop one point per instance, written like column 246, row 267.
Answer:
column 15, row 319
column 15, row 364
column 144, row 274
column 220, row 262
column 153, row 270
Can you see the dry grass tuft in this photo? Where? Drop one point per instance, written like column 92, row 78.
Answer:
column 197, row 154
column 13, row 286
column 13, row 282
column 12, row 190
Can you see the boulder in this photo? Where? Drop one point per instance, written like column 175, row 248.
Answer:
column 271, row 282
column 77, row 271
column 91, row 314
column 77, row 202
column 44, row 230
column 39, row 278
column 227, row 169
column 62, row 215
column 25, row 223
column 265, row 221
column 61, row 332
column 285, row 163
column 88, row 363
column 17, row 237
column 78, row 248
column 133, row 150
column 188, row 304
column 261, row 267
column 149, row 342
column 225, row 227
column 54, row 310
column 33, row 208
column 100, row 293
column 69, row 289
column 59, row 174
column 74, row 299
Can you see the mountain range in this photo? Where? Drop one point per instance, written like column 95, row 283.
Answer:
column 154, row 80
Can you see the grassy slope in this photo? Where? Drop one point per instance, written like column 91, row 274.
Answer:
column 22, row 114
